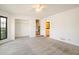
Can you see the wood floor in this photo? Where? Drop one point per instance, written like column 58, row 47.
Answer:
column 37, row 46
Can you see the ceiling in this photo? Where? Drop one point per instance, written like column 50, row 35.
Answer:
column 27, row 10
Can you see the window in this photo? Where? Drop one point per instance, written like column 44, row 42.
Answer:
column 3, row 27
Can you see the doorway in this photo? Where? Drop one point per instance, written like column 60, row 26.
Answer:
column 37, row 28
column 47, row 28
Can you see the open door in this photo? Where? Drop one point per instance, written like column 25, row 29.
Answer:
column 37, row 28
column 47, row 28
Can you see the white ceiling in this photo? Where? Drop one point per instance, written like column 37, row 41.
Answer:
column 27, row 10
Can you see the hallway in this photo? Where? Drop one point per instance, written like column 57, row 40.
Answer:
column 37, row 46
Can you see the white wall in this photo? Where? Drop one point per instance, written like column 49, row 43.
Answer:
column 21, row 27
column 42, row 27
column 32, row 26
column 11, row 26
column 66, row 26
column 25, row 26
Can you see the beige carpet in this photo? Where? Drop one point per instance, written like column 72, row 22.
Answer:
column 37, row 46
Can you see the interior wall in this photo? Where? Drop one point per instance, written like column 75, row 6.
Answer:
column 25, row 26
column 10, row 26
column 66, row 26
column 21, row 28
column 42, row 27
column 32, row 27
